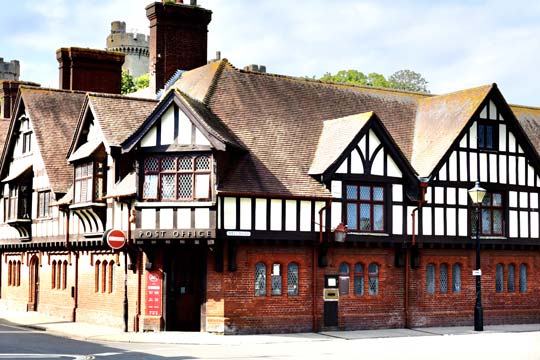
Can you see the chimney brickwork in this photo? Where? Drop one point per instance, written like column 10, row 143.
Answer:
column 178, row 39
column 8, row 94
column 90, row 70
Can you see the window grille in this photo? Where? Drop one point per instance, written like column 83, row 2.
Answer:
column 292, row 279
column 276, row 280
column 456, row 278
column 523, row 278
column 430, row 278
column 443, row 279
column 373, row 274
column 511, row 278
column 260, row 279
column 344, row 278
column 358, row 279
column 499, row 280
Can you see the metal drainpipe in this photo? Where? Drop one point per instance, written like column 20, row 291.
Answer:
column 423, row 186
column 314, row 263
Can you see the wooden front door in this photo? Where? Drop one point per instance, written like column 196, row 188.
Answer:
column 33, row 295
column 185, row 269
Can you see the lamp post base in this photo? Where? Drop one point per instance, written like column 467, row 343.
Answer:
column 478, row 318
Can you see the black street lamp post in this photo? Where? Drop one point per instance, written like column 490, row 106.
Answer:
column 477, row 195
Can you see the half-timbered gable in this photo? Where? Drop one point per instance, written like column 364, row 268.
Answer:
column 101, row 172
column 33, row 172
column 487, row 145
column 176, row 150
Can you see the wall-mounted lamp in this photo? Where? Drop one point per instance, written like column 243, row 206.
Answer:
column 340, row 233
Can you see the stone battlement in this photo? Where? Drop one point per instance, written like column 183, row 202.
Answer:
column 9, row 70
column 133, row 45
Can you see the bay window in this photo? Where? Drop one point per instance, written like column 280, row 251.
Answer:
column 89, row 181
column 177, row 177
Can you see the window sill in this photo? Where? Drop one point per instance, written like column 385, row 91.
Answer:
column 160, row 204
column 489, row 237
column 44, row 218
column 368, row 234
column 87, row 204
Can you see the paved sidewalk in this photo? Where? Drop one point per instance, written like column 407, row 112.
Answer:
column 85, row 331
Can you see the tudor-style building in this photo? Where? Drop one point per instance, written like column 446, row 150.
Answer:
column 230, row 189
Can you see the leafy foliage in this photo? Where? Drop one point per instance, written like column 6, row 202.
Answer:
column 131, row 84
column 401, row 80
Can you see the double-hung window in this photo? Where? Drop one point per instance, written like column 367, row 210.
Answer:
column 177, row 177
column 365, row 208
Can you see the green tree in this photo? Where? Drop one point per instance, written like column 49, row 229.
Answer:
column 408, row 80
column 401, row 80
column 131, row 84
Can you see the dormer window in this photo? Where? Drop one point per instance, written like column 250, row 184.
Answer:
column 89, row 181
column 26, row 136
column 177, row 177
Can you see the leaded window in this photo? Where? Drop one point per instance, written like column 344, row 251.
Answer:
column 523, row 278
column 276, row 279
column 373, row 276
column 443, row 279
column 260, row 279
column 44, row 200
column 491, row 219
column 358, row 279
column 430, row 278
column 511, row 278
column 344, row 276
column 456, row 278
column 499, row 278
column 177, row 178
column 365, row 208
column 292, row 279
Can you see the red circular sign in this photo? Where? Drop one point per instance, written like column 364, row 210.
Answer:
column 116, row 239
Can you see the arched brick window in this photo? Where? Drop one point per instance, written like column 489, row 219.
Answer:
column 523, row 278
column 499, row 278
column 53, row 275
column 10, row 273
column 18, row 277
column 511, row 278
column 64, row 274
column 443, row 279
column 97, row 268
column 275, row 279
column 260, row 279
column 58, row 274
column 111, row 277
column 456, row 278
column 104, row 276
column 358, row 279
column 430, row 278
column 373, row 282
column 344, row 278
column 292, row 279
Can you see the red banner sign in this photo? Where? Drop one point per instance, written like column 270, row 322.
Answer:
column 153, row 293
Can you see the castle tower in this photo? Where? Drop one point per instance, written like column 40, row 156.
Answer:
column 9, row 70
column 133, row 45
column 178, row 38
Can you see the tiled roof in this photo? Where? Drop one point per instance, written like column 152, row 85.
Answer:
column 119, row 116
column 4, row 127
column 280, row 119
column 336, row 136
column 54, row 114
column 529, row 118
column 439, row 120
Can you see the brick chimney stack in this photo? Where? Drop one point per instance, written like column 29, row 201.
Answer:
column 178, row 38
column 90, row 70
column 8, row 94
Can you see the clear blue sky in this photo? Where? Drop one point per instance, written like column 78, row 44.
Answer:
column 453, row 44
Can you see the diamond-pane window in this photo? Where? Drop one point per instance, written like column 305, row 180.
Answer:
column 185, row 186
column 150, row 187
column 365, row 193
column 499, row 281
column 378, row 221
column 522, row 278
column 185, row 163
column 292, row 279
column 167, row 186
column 202, row 163
column 352, row 192
column 276, row 280
column 511, row 285
column 352, row 216
column 365, row 217
column 443, row 278
column 378, row 193
column 358, row 279
column 430, row 278
column 168, row 164
column 260, row 279
column 344, row 278
column 151, row 164
column 491, row 218
column 456, row 278
column 373, row 279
